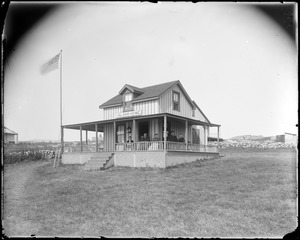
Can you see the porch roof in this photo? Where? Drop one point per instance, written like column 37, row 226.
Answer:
column 90, row 126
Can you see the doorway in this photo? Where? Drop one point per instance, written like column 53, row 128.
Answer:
column 143, row 128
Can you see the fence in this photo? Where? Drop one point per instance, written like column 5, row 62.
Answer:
column 159, row 146
column 147, row 146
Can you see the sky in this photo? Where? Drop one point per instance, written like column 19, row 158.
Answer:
column 234, row 61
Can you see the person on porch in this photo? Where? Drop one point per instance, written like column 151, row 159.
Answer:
column 129, row 144
column 172, row 137
column 129, row 140
column 156, row 144
column 145, row 138
column 181, row 138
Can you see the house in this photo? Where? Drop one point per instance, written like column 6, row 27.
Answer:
column 10, row 136
column 154, row 112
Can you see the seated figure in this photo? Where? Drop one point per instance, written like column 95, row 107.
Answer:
column 156, row 143
column 129, row 143
column 181, row 138
column 145, row 138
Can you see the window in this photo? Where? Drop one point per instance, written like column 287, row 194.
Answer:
column 193, row 113
column 176, row 101
column 127, row 102
column 120, row 134
column 128, row 97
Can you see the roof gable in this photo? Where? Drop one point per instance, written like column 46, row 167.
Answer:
column 148, row 92
column 195, row 104
column 8, row 131
column 186, row 94
column 132, row 89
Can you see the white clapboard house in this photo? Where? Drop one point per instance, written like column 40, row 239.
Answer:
column 138, row 129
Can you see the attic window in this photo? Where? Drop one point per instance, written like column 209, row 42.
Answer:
column 176, row 101
column 193, row 112
column 127, row 102
column 128, row 97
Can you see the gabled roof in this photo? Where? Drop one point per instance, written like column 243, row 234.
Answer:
column 148, row 92
column 201, row 111
column 8, row 131
column 132, row 89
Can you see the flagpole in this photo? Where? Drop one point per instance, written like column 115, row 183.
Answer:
column 61, row 128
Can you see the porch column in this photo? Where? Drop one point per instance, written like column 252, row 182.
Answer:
column 186, row 134
column 208, row 133
column 165, row 132
column 80, row 138
column 96, row 129
column 218, row 135
column 133, row 130
column 86, row 137
column 114, row 137
column 199, row 138
column 61, row 139
column 205, row 140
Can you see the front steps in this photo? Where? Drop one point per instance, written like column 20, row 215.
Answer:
column 98, row 162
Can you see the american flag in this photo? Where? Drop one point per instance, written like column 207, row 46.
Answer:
column 52, row 64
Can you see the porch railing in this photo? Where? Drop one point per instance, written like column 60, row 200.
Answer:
column 159, row 146
column 85, row 148
column 147, row 146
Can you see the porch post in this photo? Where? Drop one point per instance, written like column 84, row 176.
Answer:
column 114, row 137
column 186, row 134
column 199, row 138
column 165, row 133
column 80, row 138
column 96, row 128
column 133, row 130
column 205, row 140
column 208, row 133
column 218, row 135
column 86, row 137
column 62, row 139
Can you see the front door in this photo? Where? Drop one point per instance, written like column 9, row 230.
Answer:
column 143, row 128
column 120, row 134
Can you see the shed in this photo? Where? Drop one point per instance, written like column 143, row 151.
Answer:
column 10, row 136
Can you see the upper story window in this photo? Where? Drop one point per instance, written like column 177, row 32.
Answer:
column 128, row 97
column 127, row 102
column 176, row 101
column 193, row 112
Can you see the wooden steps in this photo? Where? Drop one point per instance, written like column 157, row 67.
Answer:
column 98, row 162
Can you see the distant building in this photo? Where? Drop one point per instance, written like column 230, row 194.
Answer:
column 290, row 138
column 10, row 136
column 287, row 138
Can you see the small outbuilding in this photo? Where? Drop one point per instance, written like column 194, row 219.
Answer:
column 10, row 136
column 288, row 138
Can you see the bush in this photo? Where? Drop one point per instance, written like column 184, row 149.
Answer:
column 251, row 144
column 30, row 155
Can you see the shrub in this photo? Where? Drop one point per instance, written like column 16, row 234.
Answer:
column 28, row 155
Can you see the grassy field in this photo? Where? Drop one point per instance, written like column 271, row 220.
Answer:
column 243, row 194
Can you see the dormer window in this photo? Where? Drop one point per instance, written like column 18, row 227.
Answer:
column 128, row 102
column 128, row 97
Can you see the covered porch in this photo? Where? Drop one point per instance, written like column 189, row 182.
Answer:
column 117, row 132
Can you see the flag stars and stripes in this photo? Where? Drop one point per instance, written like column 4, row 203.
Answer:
column 52, row 64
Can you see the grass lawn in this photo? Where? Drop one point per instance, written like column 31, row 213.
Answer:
column 243, row 194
